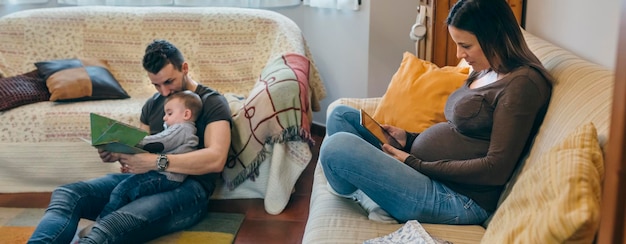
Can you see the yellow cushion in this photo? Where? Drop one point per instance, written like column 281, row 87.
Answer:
column 556, row 199
column 417, row 94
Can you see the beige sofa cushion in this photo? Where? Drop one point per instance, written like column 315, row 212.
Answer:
column 556, row 199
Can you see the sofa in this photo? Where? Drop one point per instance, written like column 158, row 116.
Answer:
column 257, row 58
column 552, row 197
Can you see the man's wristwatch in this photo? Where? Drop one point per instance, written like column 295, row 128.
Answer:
column 162, row 162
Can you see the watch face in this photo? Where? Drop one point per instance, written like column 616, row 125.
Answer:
column 162, row 162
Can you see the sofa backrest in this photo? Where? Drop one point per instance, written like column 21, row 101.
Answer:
column 582, row 93
column 226, row 47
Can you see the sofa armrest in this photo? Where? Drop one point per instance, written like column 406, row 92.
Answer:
column 367, row 104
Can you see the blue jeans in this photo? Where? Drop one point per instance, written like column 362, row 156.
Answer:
column 139, row 221
column 352, row 161
column 137, row 186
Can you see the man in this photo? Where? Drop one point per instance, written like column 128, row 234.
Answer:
column 156, row 215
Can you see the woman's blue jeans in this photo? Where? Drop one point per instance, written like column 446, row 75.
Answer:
column 137, row 222
column 351, row 160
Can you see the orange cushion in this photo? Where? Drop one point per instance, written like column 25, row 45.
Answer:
column 417, row 94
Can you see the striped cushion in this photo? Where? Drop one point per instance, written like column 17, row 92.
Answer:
column 557, row 199
column 367, row 104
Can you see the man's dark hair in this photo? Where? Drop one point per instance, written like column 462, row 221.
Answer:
column 160, row 53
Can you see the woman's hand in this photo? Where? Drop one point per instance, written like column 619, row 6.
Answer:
column 396, row 153
column 397, row 133
column 137, row 163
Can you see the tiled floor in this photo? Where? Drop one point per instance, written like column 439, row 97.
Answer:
column 258, row 226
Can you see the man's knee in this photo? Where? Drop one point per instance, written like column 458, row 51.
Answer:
column 70, row 193
column 64, row 191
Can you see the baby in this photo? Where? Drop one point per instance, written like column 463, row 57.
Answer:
column 179, row 136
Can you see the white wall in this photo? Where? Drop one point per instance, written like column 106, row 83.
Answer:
column 10, row 8
column 357, row 52
column 587, row 28
column 390, row 25
column 339, row 42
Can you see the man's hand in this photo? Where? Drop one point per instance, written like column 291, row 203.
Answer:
column 109, row 157
column 394, row 152
column 138, row 163
column 397, row 133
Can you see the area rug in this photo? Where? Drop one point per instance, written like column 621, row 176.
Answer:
column 17, row 224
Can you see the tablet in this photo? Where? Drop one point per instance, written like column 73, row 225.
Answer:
column 378, row 131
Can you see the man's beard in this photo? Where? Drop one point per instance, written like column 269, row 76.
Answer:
column 185, row 83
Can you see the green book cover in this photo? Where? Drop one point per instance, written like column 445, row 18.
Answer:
column 115, row 136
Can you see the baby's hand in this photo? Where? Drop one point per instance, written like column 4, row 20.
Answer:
column 124, row 168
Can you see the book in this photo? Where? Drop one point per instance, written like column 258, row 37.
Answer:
column 115, row 136
column 377, row 130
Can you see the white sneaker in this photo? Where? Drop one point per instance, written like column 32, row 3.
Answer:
column 375, row 212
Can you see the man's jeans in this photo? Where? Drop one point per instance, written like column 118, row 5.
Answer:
column 139, row 221
column 137, row 186
column 351, row 161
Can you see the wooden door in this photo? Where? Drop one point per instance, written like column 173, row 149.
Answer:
column 613, row 208
column 443, row 48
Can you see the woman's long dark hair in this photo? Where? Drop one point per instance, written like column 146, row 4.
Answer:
column 498, row 33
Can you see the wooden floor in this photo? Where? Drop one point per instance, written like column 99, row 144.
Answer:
column 258, row 226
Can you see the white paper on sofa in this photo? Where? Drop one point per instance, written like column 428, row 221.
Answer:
column 411, row 232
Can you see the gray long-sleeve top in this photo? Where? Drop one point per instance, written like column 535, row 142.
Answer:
column 476, row 150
